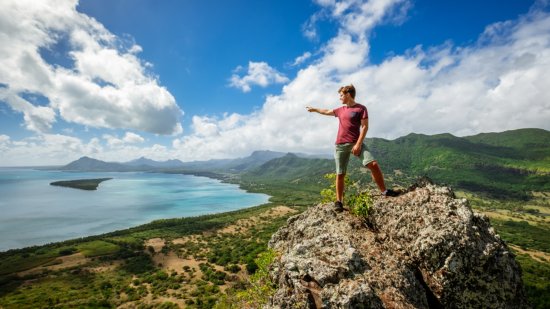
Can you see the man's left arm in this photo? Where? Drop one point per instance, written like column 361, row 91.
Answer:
column 359, row 144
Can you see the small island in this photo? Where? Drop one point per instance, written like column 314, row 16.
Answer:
column 83, row 184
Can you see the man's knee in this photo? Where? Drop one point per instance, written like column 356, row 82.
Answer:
column 372, row 164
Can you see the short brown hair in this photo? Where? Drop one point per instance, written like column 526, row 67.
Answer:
column 348, row 89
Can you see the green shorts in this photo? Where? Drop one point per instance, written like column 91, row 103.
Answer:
column 343, row 152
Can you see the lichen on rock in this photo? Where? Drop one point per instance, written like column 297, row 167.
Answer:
column 423, row 249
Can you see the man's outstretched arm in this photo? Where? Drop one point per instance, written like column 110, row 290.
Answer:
column 322, row 111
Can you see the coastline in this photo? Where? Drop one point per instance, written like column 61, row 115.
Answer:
column 212, row 176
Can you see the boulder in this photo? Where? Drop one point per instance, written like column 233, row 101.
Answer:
column 422, row 249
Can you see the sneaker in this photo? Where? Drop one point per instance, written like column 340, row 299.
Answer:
column 391, row 193
column 338, row 206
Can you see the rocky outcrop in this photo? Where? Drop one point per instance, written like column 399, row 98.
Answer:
column 423, row 249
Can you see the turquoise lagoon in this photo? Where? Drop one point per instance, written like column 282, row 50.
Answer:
column 32, row 212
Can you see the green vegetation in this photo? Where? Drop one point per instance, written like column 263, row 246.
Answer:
column 504, row 175
column 257, row 291
column 536, row 278
column 117, row 268
column 261, row 286
column 83, row 184
column 25, row 259
column 97, row 248
column 505, row 165
column 359, row 201
column 290, row 180
column 523, row 234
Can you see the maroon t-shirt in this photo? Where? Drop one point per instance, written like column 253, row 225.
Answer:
column 350, row 122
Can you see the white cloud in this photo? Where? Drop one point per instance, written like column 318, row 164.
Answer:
column 358, row 17
column 37, row 118
column 129, row 138
column 133, row 138
column 496, row 84
column 258, row 73
column 309, row 28
column 343, row 54
column 112, row 140
column 301, row 59
column 4, row 142
column 205, row 126
column 363, row 16
column 56, row 149
column 47, row 149
column 100, row 83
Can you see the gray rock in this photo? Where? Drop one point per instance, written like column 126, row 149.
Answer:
column 423, row 249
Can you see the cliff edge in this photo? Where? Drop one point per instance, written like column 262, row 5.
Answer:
column 423, row 249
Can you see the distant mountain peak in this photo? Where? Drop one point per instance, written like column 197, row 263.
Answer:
column 257, row 153
column 86, row 163
column 143, row 161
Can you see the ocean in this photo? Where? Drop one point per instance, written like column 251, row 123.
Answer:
column 32, row 212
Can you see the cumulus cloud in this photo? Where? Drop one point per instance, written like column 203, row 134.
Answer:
column 47, row 149
column 258, row 73
column 496, row 84
column 133, row 138
column 58, row 149
column 357, row 17
column 129, row 138
column 84, row 71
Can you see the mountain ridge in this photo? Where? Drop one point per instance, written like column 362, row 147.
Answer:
column 509, row 164
column 143, row 161
column 255, row 159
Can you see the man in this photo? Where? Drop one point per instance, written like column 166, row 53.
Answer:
column 354, row 123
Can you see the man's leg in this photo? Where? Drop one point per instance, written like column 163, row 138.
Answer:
column 341, row 156
column 340, row 181
column 377, row 176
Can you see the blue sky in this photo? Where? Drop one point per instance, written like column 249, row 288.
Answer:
column 196, row 80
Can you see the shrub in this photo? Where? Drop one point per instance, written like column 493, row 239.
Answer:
column 167, row 305
column 358, row 201
column 360, row 204
column 138, row 264
column 67, row 251
column 232, row 268
column 251, row 266
column 259, row 289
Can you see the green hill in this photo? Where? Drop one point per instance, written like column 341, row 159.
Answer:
column 290, row 180
column 291, row 166
column 504, row 165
